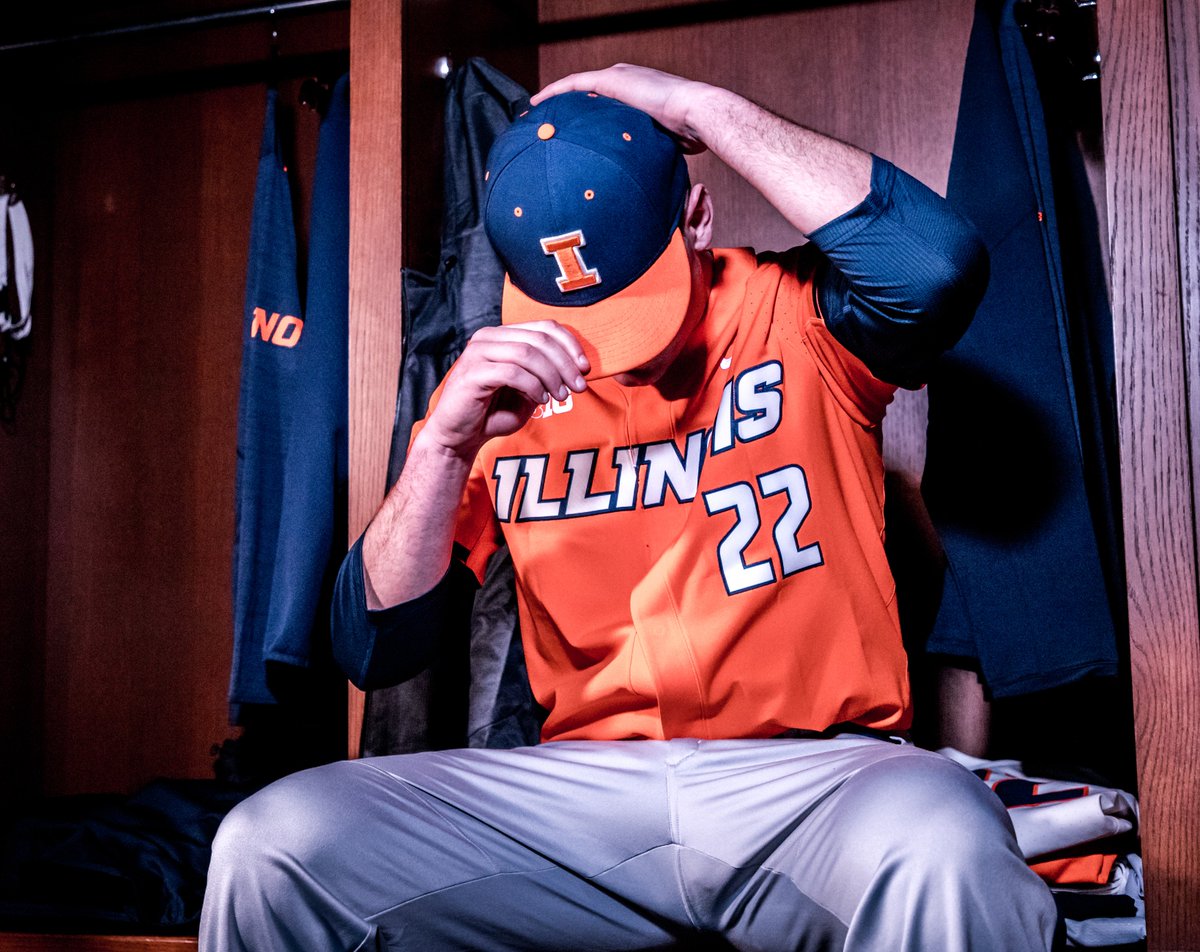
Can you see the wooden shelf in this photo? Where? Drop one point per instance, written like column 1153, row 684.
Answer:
column 31, row 942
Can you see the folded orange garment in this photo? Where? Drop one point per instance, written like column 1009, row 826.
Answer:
column 1093, row 868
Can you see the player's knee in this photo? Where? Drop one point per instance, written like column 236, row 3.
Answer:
column 940, row 816
column 243, row 846
column 968, row 833
column 962, row 857
column 282, row 826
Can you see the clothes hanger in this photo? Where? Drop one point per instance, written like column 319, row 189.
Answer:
column 1063, row 34
column 273, row 50
column 314, row 93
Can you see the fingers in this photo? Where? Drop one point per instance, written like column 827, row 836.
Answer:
column 501, row 376
column 665, row 97
column 494, row 376
column 539, row 360
column 575, row 82
column 637, row 86
column 565, row 338
column 544, row 348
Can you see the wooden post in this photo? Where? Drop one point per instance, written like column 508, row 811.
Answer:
column 1143, row 71
column 375, row 260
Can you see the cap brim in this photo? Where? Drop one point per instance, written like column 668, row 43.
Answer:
column 625, row 330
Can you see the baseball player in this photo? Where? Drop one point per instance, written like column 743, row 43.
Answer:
column 681, row 447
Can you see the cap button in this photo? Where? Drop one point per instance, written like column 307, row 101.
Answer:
column 545, row 131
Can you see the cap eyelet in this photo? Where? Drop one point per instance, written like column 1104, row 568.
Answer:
column 518, row 211
column 589, row 195
column 626, row 136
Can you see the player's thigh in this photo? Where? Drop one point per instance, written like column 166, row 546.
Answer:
column 427, row 851
column 912, row 818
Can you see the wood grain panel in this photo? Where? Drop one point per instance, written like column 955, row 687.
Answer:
column 151, row 226
column 892, row 88
column 126, row 647
column 1183, row 23
column 1156, row 468
column 556, row 11
column 376, row 243
column 152, row 229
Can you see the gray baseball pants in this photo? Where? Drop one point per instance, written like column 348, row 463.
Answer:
column 846, row 842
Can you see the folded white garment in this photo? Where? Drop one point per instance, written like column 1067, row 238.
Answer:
column 1103, row 932
column 15, row 234
column 1052, row 815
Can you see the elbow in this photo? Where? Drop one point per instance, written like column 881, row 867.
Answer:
column 900, row 338
column 379, row 649
column 380, row 668
column 961, row 284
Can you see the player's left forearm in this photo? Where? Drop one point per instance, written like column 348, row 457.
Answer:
column 809, row 177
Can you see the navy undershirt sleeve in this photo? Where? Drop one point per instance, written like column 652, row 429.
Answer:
column 907, row 275
column 377, row 649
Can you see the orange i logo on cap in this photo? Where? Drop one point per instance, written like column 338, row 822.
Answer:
column 574, row 274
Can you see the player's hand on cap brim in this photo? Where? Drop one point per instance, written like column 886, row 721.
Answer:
column 503, row 374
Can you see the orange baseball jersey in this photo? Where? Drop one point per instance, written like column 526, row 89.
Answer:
column 707, row 563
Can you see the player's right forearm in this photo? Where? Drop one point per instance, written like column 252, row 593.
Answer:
column 503, row 374
column 406, row 549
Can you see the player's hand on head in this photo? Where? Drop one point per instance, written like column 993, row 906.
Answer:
column 503, row 374
column 665, row 97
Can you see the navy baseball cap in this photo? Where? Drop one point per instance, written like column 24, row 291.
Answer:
column 583, row 201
